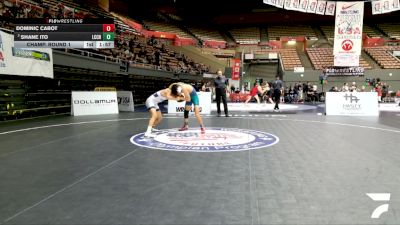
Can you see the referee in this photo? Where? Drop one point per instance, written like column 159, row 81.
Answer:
column 220, row 83
column 277, row 86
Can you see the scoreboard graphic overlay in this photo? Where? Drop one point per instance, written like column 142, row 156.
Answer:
column 64, row 33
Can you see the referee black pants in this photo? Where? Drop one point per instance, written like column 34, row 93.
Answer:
column 221, row 93
column 277, row 98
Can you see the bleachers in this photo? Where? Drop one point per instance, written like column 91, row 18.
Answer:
column 289, row 57
column 250, row 35
column 391, row 29
column 165, row 27
column 207, row 34
column 276, row 32
column 383, row 56
column 322, row 58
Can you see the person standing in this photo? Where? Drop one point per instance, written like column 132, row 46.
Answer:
column 277, row 85
column 220, row 83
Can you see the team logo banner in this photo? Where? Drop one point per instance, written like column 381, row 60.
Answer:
column 348, row 29
column 24, row 61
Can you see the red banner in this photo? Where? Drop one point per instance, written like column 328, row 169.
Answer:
column 236, row 69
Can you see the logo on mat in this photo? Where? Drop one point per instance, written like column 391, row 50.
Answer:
column 385, row 197
column 216, row 139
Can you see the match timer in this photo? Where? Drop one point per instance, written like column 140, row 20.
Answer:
column 64, row 33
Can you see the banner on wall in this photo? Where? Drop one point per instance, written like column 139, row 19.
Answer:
column 352, row 104
column 93, row 103
column 24, row 61
column 348, row 32
column 346, row 60
column 125, row 101
column 236, row 69
column 344, row 71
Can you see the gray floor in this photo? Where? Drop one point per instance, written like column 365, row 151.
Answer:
column 90, row 173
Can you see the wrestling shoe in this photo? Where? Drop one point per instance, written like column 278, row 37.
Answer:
column 202, row 130
column 185, row 127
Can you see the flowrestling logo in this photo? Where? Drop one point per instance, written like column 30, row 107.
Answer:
column 215, row 139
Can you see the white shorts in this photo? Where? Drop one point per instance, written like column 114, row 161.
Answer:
column 152, row 103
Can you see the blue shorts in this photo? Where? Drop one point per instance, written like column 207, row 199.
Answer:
column 194, row 99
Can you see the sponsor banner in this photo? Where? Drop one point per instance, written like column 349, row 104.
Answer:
column 179, row 107
column 352, row 104
column 344, row 71
column 24, row 61
column 236, row 69
column 312, row 6
column 346, row 60
column 348, row 28
column 216, row 139
column 330, row 8
column 125, row 101
column 94, row 103
column 321, row 7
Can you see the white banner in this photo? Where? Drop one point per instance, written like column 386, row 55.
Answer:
column 288, row 4
column 179, row 107
column 303, row 5
column 346, row 60
column 348, row 30
column 395, row 5
column 125, row 101
column 279, row 3
column 352, row 103
column 24, row 61
column 321, row 7
column 312, row 6
column 94, row 103
column 330, row 8
column 384, row 6
column 298, row 69
column 376, row 7
column 295, row 5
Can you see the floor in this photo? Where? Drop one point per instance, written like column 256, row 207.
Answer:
column 85, row 170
